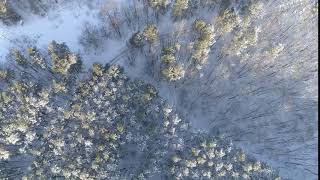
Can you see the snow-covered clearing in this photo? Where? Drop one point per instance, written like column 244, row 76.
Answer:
column 63, row 24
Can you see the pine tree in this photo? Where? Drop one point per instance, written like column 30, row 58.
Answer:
column 158, row 4
column 61, row 57
column 137, row 39
column 179, row 7
column 151, row 33
column 173, row 72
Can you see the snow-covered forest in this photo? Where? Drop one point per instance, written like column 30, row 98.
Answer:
column 159, row 89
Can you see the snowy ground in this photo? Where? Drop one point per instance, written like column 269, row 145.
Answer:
column 66, row 24
column 62, row 26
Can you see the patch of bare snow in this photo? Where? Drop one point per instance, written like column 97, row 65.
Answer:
column 62, row 26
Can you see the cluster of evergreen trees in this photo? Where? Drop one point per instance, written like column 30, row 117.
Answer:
column 100, row 124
